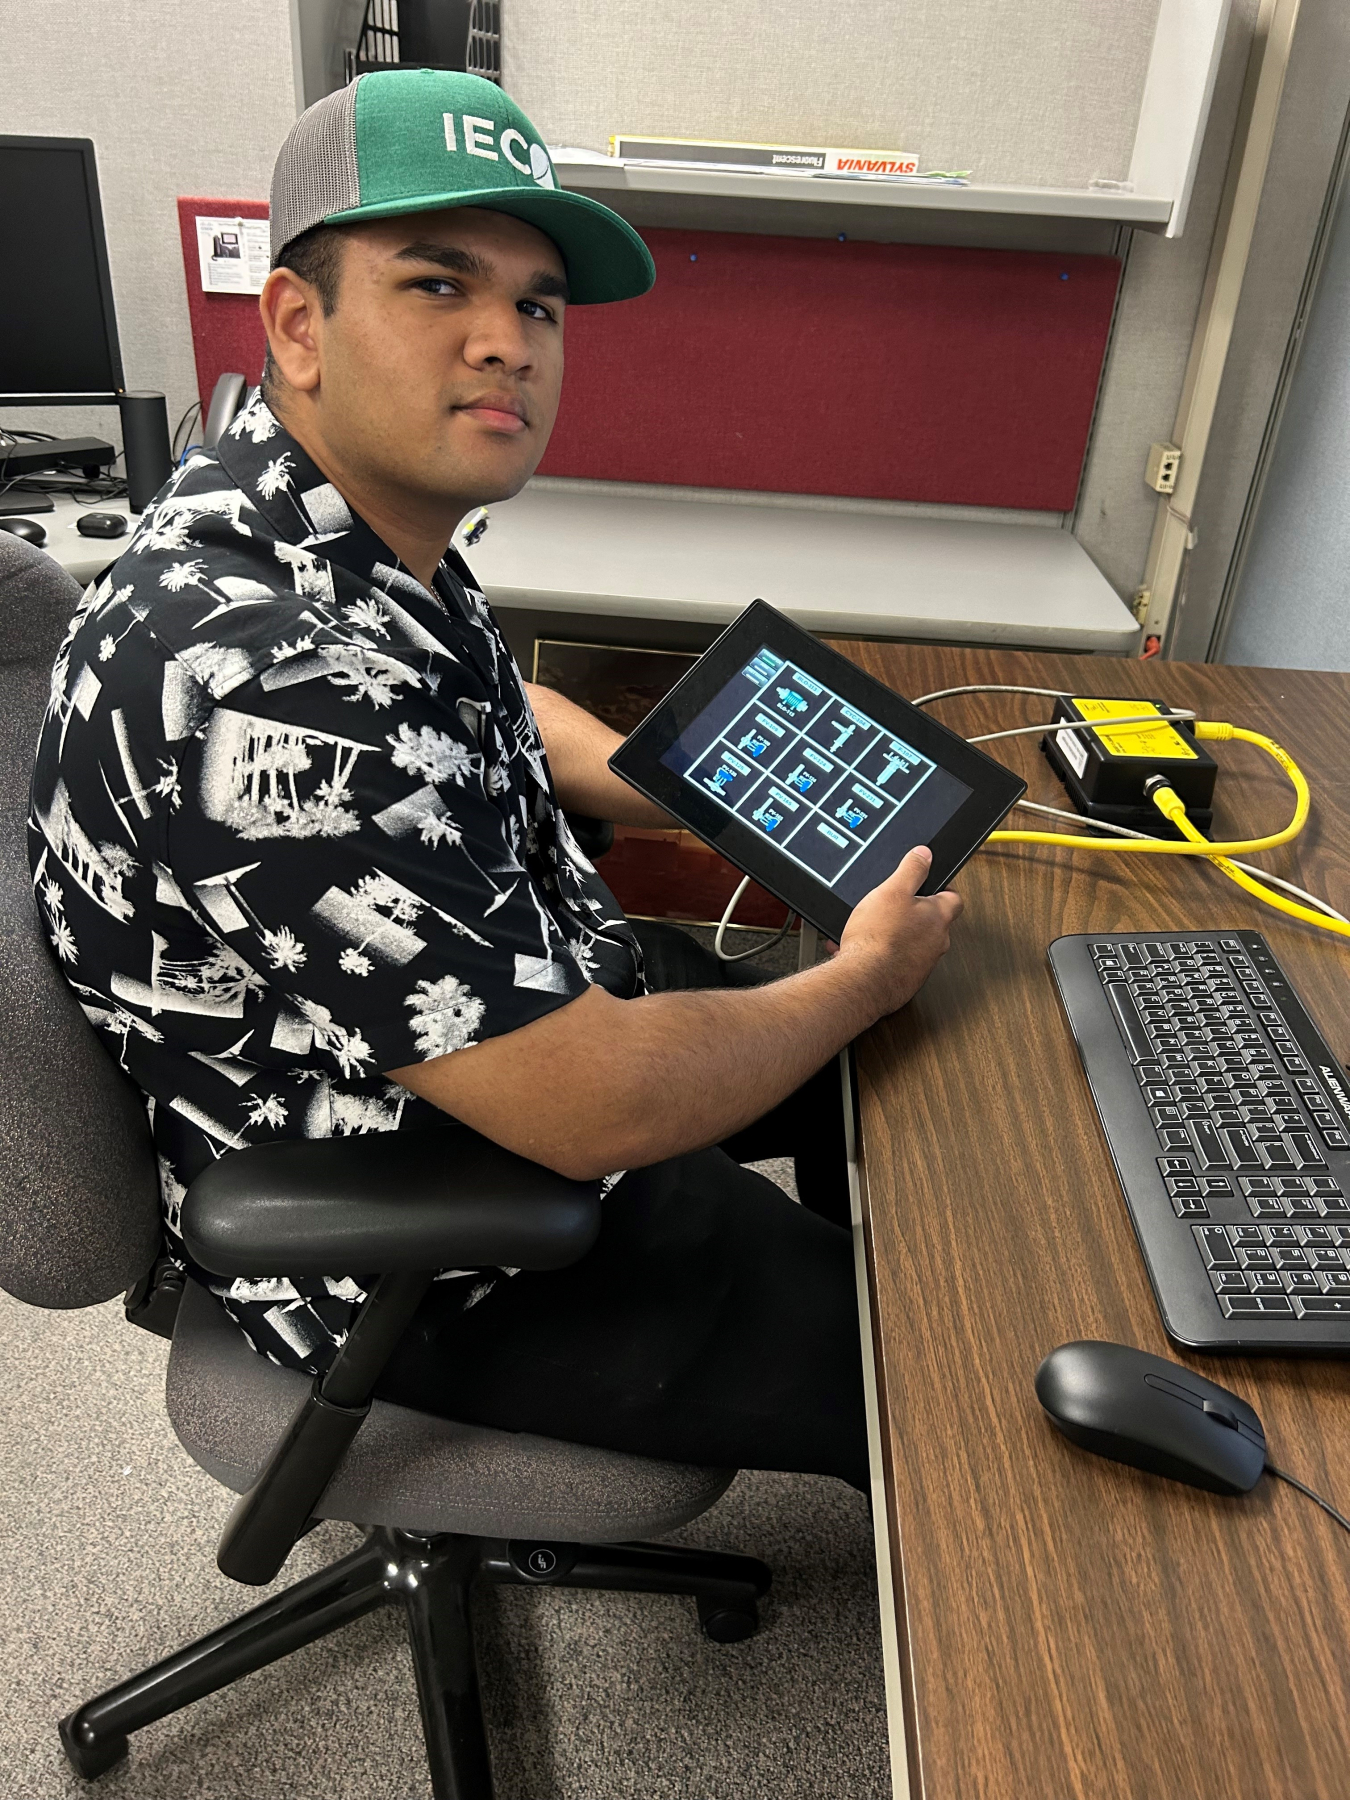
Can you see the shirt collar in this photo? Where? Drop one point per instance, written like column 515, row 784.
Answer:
column 284, row 484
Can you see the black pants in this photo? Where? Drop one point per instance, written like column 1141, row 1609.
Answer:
column 714, row 1321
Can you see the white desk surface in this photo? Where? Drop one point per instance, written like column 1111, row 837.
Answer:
column 875, row 575
column 83, row 557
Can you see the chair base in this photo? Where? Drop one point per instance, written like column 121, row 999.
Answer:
column 431, row 1578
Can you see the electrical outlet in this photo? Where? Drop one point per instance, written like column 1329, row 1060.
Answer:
column 1140, row 604
column 1160, row 471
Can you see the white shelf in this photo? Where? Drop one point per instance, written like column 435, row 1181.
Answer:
column 611, row 176
column 876, row 575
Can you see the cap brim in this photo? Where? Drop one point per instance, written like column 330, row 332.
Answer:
column 605, row 257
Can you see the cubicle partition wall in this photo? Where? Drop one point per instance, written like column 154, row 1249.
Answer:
column 786, row 365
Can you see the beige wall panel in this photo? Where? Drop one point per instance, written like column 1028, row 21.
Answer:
column 1047, row 94
column 1316, row 97
column 1155, row 321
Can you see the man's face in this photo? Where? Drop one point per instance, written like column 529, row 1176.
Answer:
column 439, row 371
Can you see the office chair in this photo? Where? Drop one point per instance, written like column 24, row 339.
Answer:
column 443, row 1504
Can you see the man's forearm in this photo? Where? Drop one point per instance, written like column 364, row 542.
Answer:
column 661, row 1075
column 579, row 747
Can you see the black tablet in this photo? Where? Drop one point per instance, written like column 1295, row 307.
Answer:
column 809, row 775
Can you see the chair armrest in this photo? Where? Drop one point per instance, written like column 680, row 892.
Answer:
column 401, row 1204
column 386, row 1202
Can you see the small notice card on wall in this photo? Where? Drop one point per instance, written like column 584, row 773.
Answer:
column 234, row 254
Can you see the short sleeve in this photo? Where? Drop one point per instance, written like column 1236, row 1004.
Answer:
column 362, row 851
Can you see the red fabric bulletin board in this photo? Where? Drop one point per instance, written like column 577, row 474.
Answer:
column 227, row 334
column 807, row 366
column 804, row 366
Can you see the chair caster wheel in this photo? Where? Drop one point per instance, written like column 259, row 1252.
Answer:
column 89, row 1757
column 728, row 1624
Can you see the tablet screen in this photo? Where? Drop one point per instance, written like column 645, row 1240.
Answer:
column 808, row 773
column 834, row 791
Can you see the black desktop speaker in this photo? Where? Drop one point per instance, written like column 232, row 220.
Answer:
column 145, row 440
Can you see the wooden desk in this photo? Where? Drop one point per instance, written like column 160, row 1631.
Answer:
column 1066, row 1626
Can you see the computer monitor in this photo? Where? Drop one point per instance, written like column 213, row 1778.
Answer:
column 58, row 329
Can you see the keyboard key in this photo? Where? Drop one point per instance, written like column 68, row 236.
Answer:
column 1324, row 1121
column 1241, row 1153
column 1266, row 1206
column 1336, row 1281
column 1305, row 1084
column 1257, row 1256
column 1279, row 1234
column 1336, row 1140
column 1334, row 1205
column 1299, row 1281
column 1174, row 1139
column 1217, row 1187
column 1276, row 1154
column 1260, row 1306
column 1322, row 1184
column 1209, row 1146
column 1318, row 1234
column 1301, row 1206
column 1214, row 1246
column 1265, row 1281
column 1304, row 1146
column 1246, row 1234
column 1324, row 1258
column 1131, row 1026
column 1321, row 1306
column 1289, row 1256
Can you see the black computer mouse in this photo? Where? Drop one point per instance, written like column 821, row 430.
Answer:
column 101, row 524
column 28, row 529
column 1153, row 1414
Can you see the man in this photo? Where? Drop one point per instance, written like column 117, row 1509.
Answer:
column 300, row 848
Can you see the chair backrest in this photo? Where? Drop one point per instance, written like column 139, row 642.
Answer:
column 79, row 1208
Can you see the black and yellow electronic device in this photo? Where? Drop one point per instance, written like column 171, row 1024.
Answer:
column 1105, row 771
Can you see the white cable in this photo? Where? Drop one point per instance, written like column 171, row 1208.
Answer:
column 1152, row 718
column 730, row 956
column 992, row 688
column 1059, row 812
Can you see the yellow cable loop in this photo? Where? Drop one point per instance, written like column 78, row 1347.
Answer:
column 1170, row 805
column 1204, row 728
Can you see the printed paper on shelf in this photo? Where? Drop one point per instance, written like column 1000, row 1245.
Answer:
column 785, row 159
column 234, row 255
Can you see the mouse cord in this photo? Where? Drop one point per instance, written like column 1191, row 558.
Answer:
column 1293, row 1481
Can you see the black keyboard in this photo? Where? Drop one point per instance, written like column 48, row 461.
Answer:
column 1228, row 1120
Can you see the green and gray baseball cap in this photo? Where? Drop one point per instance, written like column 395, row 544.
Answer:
column 414, row 140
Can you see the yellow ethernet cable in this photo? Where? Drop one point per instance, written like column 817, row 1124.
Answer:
column 1171, row 806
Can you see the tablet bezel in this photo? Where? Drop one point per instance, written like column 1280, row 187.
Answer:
column 637, row 761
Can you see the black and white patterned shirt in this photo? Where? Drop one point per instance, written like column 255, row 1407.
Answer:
column 292, row 825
